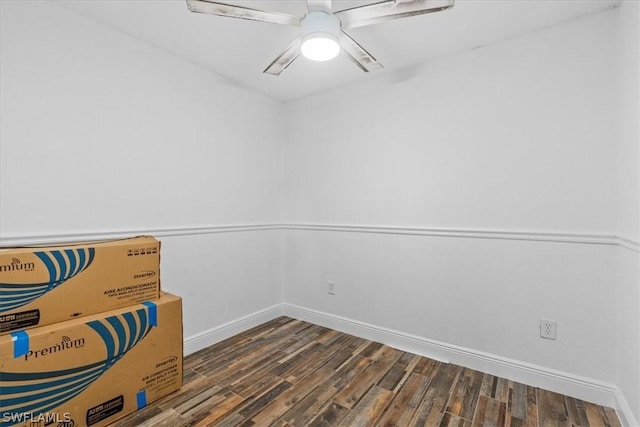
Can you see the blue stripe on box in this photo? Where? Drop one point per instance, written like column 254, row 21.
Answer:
column 153, row 313
column 141, row 399
column 20, row 343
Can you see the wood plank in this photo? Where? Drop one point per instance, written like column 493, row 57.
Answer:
column 321, row 356
column 489, row 413
column 251, row 369
column 612, row 417
column 221, row 409
column 406, row 401
column 338, row 359
column 577, row 412
column 500, row 391
column 168, row 418
column 290, row 362
column 190, row 375
column 481, row 409
column 226, row 356
column 464, row 396
column 329, row 336
column 426, row 367
column 230, row 420
column 431, row 410
column 551, row 409
column 140, row 417
column 382, row 362
column 260, row 382
column 599, row 416
column 369, row 408
column 495, row 388
column 449, row 420
column 304, row 338
column 196, row 400
column 289, row 398
column 330, row 417
column 371, row 349
column 267, row 398
column 350, row 369
column 186, row 393
column 532, row 409
column 522, row 410
column 221, row 348
column 318, row 400
column 204, row 408
column 312, row 405
column 397, row 372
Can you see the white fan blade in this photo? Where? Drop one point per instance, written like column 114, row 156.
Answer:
column 319, row 5
column 358, row 54
column 223, row 9
column 388, row 10
column 285, row 59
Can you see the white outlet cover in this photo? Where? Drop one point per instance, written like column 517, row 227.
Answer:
column 331, row 288
column 548, row 329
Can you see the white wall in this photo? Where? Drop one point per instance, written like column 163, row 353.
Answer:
column 515, row 136
column 520, row 137
column 628, row 309
column 102, row 133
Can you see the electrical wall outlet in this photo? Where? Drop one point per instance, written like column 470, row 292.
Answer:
column 548, row 329
column 331, row 288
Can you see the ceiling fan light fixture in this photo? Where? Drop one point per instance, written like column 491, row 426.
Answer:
column 320, row 39
column 322, row 35
column 320, row 46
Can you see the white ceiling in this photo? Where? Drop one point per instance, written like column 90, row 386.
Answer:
column 239, row 50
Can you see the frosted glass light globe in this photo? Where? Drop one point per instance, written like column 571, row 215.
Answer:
column 320, row 46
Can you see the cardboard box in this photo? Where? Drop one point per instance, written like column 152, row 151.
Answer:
column 93, row 370
column 44, row 285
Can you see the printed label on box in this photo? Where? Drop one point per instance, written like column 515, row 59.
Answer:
column 105, row 410
column 24, row 319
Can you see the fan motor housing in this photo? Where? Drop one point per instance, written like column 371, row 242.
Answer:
column 319, row 21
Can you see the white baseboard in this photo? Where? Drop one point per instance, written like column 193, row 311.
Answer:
column 624, row 411
column 226, row 330
column 572, row 385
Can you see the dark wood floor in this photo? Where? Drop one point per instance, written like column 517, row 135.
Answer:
column 292, row 373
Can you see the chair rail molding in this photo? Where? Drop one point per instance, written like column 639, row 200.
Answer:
column 17, row 239
column 67, row 237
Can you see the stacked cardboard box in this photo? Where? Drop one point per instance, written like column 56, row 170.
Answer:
column 44, row 285
column 87, row 336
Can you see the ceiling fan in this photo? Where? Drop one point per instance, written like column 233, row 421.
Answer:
column 323, row 31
